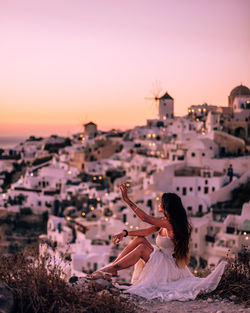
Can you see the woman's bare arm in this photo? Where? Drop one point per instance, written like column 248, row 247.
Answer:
column 140, row 213
column 144, row 232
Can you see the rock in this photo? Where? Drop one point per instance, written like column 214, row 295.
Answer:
column 99, row 284
column 73, row 279
column 219, row 311
column 6, row 298
column 233, row 297
column 209, row 300
column 103, row 292
column 115, row 291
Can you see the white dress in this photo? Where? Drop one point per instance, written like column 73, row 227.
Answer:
column 161, row 278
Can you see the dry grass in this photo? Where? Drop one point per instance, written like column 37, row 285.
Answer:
column 235, row 282
column 37, row 290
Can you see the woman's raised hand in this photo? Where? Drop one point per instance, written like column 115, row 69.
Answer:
column 124, row 191
column 117, row 238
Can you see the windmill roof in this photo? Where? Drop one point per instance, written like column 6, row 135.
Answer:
column 166, row 96
column 90, row 123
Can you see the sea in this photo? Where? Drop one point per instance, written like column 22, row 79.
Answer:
column 8, row 142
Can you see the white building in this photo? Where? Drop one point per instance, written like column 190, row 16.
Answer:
column 166, row 107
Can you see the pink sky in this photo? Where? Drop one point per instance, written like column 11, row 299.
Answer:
column 67, row 62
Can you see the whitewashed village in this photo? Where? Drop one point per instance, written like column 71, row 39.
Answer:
column 71, row 185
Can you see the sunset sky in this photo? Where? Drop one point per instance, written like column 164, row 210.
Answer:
column 67, row 62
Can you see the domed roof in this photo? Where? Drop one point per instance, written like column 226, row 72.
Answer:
column 239, row 91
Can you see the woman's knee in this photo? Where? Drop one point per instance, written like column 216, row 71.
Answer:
column 144, row 241
column 140, row 238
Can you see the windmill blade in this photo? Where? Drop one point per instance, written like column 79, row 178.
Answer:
column 156, row 89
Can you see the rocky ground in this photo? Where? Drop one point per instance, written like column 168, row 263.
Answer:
column 103, row 287
column 214, row 304
column 201, row 306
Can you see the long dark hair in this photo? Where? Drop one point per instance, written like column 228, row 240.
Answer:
column 177, row 216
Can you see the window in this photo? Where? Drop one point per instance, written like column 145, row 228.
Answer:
column 191, row 189
column 184, row 191
column 206, row 189
column 213, row 188
column 196, row 230
column 95, row 266
column 200, row 208
column 134, row 215
column 203, row 154
column 177, row 188
column 199, row 188
column 189, row 208
column 124, row 218
column 195, row 245
column 206, row 182
column 193, row 155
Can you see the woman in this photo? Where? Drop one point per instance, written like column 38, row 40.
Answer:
column 161, row 270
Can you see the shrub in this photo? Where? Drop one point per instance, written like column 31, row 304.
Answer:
column 39, row 290
column 235, row 281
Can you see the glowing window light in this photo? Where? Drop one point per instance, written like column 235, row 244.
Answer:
column 157, row 198
column 106, row 219
column 69, row 172
column 92, row 208
column 106, row 194
column 83, row 213
column 94, row 178
column 247, row 238
column 100, row 177
column 126, row 223
column 131, row 226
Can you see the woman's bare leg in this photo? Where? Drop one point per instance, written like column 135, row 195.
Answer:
column 141, row 251
column 131, row 246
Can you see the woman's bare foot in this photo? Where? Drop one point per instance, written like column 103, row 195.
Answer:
column 102, row 274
